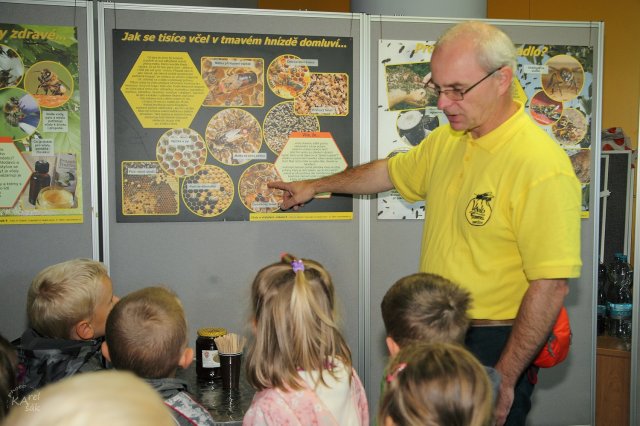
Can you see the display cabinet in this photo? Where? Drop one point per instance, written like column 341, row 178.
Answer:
column 613, row 379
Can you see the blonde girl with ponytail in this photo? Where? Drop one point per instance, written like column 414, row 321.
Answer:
column 298, row 360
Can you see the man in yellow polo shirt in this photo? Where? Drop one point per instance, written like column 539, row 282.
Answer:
column 503, row 205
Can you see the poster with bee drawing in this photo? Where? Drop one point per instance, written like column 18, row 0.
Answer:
column 553, row 82
column 40, row 146
column 204, row 121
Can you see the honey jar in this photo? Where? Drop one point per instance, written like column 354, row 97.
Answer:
column 207, row 359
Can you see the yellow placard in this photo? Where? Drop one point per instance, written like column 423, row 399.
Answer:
column 257, row 217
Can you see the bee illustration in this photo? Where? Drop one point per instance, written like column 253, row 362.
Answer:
column 563, row 77
column 479, row 209
column 50, row 83
column 12, row 111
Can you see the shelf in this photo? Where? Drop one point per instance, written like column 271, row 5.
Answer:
column 612, row 346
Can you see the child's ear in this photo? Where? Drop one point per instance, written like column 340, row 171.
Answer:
column 84, row 330
column 105, row 351
column 186, row 358
column 392, row 346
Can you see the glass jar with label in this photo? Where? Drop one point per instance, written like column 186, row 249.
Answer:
column 207, row 359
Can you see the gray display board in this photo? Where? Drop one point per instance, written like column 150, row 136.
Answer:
column 211, row 264
column 27, row 248
column 565, row 393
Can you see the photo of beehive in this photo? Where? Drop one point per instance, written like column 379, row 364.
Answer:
column 287, row 79
column 254, row 192
column 281, row 120
column 233, row 81
column 181, row 152
column 147, row 190
column 233, row 131
column 209, row 192
column 406, row 86
column 328, row 94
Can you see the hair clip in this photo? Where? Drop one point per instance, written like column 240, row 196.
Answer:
column 392, row 376
column 297, row 265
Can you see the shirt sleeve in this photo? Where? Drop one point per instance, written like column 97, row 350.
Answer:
column 547, row 222
column 407, row 172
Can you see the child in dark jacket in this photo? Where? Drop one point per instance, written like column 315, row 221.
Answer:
column 67, row 307
column 147, row 334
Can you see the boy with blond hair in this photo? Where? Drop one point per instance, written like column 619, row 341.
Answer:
column 67, row 307
column 427, row 308
column 146, row 334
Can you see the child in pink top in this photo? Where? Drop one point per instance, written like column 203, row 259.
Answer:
column 298, row 361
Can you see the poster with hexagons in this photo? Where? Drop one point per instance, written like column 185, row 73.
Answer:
column 553, row 83
column 40, row 146
column 203, row 121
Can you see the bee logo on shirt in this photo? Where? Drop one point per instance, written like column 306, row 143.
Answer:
column 479, row 210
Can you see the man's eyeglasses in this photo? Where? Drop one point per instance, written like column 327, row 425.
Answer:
column 456, row 94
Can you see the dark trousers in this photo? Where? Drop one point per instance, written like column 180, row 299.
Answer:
column 486, row 343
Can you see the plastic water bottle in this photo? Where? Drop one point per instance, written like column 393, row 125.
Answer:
column 602, row 298
column 619, row 299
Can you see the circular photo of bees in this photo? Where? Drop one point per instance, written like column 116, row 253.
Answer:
column 328, row 94
column 50, row 83
column 209, row 192
column 232, row 133
column 181, row 152
column 281, row 121
column 286, row 78
column 571, row 128
column 11, row 67
column 564, row 78
column 545, row 110
column 254, row 192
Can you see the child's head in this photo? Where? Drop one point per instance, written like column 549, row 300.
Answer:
column 102, row 398
column 436, row 384
column 293, row 308
column 425, row 307
column 71, row 300
column 8, row 374
column 147, row 334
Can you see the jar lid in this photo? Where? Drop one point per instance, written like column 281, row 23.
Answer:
column 42, row 166
column 211, row 332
